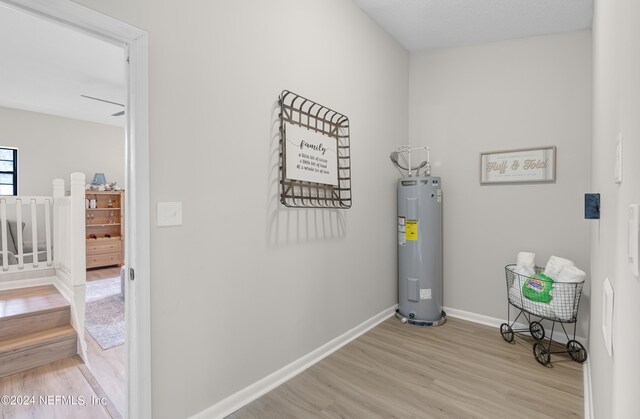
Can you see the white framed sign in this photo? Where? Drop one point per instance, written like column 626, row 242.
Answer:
column 518, row 166
column 310, row 156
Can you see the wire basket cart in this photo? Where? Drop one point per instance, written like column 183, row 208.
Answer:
column 539, row 298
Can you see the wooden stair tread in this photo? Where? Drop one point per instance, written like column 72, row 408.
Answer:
column 24, row 301
column 33, row 340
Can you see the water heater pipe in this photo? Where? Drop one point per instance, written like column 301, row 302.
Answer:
column 408, row 149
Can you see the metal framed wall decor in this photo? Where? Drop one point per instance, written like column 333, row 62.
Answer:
column 315, row 155
column 528, row 165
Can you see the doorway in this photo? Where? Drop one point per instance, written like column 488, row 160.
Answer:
column 137, row 278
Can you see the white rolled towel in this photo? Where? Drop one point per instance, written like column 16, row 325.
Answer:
column 571, row 274
column 526, row 260
column 555, row 265
column 564, row 292
column 525, row 267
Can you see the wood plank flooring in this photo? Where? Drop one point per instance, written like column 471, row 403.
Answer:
column 97, row 274
column 60, row 378
column 458, row 370
column 107, row 365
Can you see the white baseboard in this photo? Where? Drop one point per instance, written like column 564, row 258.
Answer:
column 496, row 322
column 588, row 395
column 473, row 317
column 245, row 396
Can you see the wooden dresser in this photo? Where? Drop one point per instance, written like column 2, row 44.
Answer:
column 105, row 229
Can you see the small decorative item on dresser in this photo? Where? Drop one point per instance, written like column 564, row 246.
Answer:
column 99, row 179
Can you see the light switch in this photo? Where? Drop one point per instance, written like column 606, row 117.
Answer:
column 169, row 214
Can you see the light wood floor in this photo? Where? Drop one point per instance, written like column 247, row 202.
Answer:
column 107, row 366
column 458, row 370
column 60, row 378
column 102, row 273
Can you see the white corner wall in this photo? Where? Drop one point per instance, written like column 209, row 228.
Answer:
column 51, row 147
column 616, row 39
column 506, row 95
column 246, row 286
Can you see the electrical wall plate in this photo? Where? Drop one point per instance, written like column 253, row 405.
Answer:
column 169, row 214
column 592, row 206
column 634, row 236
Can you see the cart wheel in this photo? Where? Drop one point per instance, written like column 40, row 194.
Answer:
column 536, row 330
column 576, row 351
column 507, row 332
column 541, row 353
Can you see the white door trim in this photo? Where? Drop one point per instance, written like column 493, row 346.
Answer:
column 137, row 255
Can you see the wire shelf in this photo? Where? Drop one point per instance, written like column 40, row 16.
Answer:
column 299, row 111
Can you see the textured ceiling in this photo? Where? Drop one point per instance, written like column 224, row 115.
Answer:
column 424, row 24
column 45, row 67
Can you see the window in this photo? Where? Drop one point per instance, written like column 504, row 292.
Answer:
column 8, row 171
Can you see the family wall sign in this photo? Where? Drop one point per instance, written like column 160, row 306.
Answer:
column 315, row 154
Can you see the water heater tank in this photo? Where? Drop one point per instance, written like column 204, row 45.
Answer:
column 420, row 251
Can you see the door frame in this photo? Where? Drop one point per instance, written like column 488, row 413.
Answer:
column 137, row 223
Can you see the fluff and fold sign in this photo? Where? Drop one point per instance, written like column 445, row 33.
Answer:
column 530, row 165
column 310, row 156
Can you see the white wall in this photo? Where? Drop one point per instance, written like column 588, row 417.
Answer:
column 245, row 286
column 51, row 147
column 616, row 38
column 507, row 95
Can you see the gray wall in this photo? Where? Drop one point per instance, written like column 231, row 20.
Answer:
column 507, row 95
column 245, row 286
column 51, row 147
column 616, row 109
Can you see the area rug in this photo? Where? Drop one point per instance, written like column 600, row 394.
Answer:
column 105, row 312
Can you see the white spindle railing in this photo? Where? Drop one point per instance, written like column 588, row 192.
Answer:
column 56, row 224
column 14, row 205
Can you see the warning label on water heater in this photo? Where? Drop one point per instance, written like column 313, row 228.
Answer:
column 412, row 230
column 425, row 293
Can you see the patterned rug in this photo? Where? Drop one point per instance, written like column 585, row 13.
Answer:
column 105, row 312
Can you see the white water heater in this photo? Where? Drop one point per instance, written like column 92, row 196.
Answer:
column 420, row 250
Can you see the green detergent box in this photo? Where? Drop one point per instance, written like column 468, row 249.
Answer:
column 538, row 288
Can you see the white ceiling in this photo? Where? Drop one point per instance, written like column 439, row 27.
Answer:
column 425, row 24
column 45, row 67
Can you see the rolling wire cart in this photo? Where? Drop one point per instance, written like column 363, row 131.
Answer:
column 559, row 305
